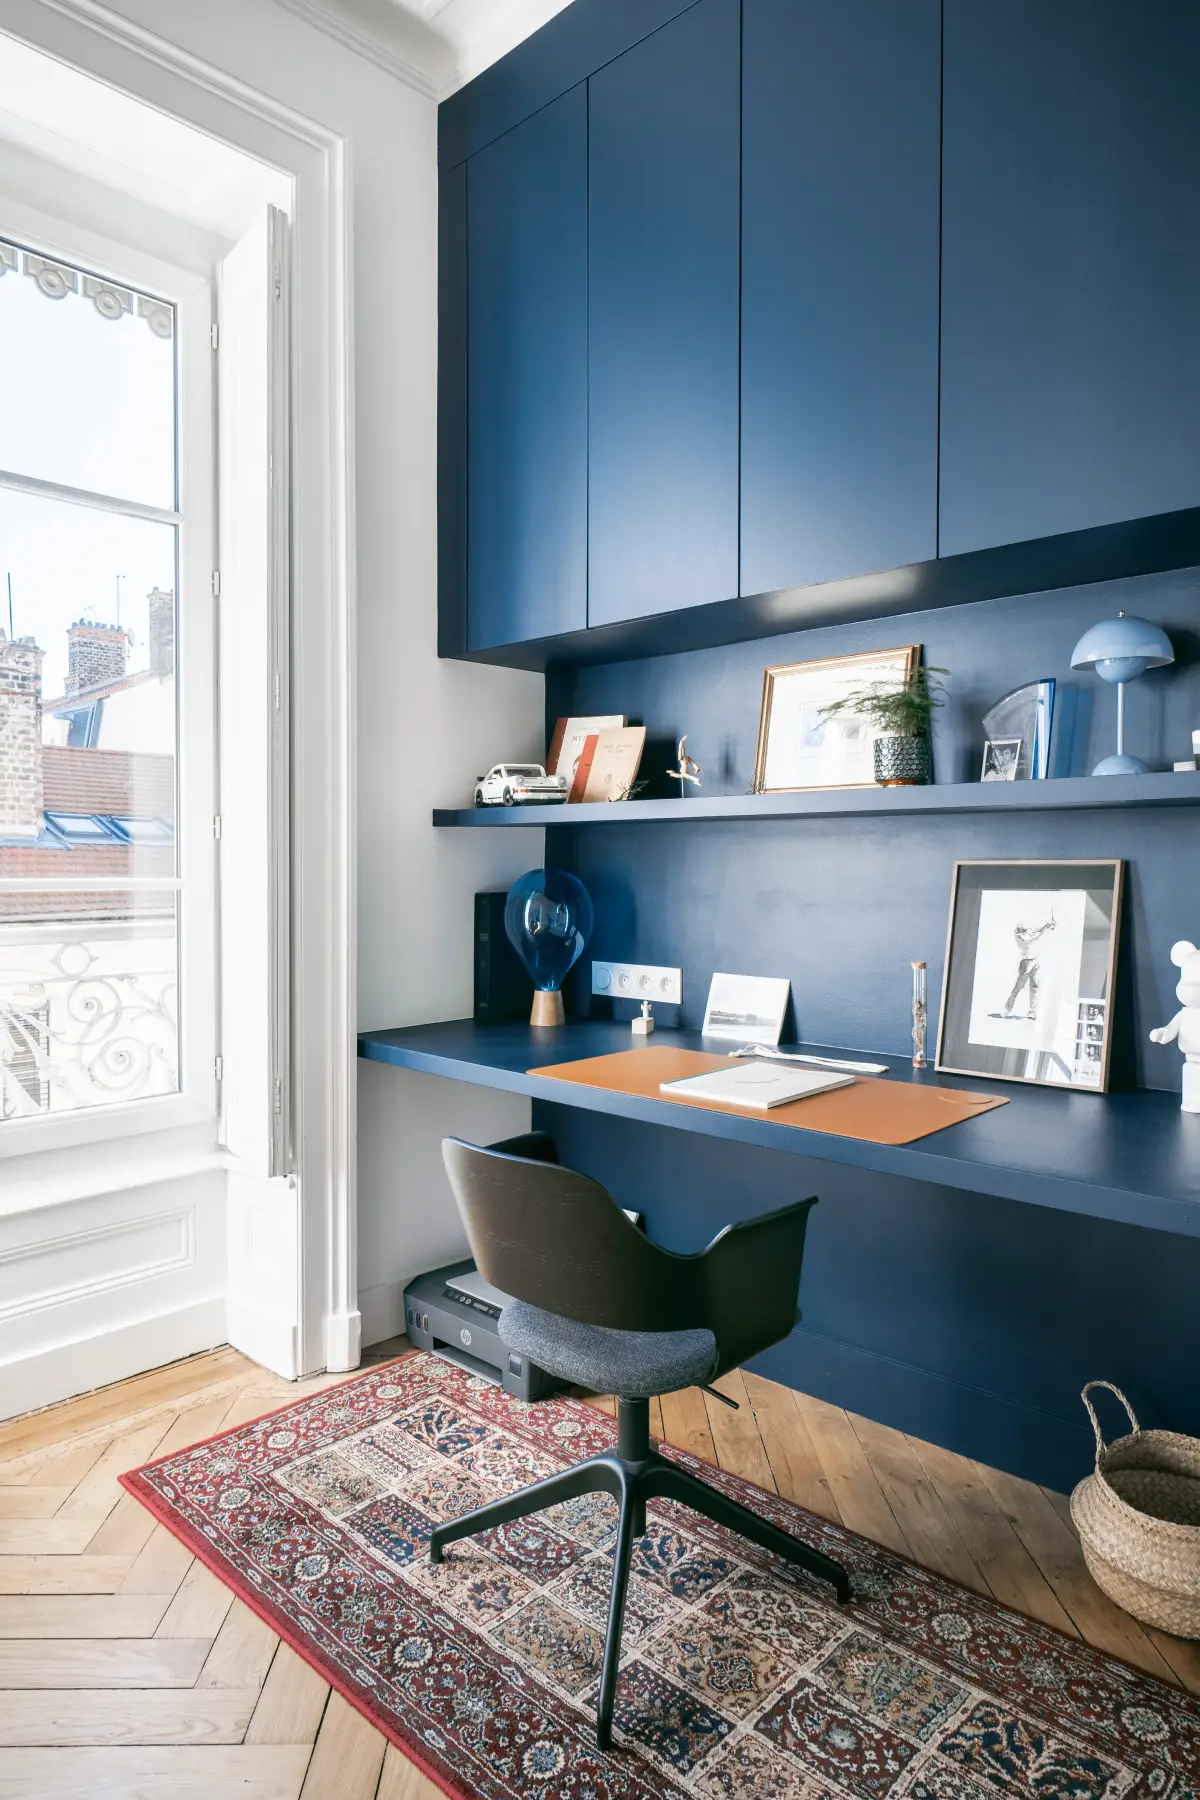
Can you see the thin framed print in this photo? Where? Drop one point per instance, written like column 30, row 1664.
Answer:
column 1031, row 959
column 798, row 745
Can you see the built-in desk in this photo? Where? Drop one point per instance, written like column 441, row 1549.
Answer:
column 1128, row 1157
column 962, row 1287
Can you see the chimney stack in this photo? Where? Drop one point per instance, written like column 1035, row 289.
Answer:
column 21, row 736
column 95, row 655
column 162, row 631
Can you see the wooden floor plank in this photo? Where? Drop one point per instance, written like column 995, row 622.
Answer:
column 402, row 1780
column 64, row 1465
column 98, row 1492
column 159, row 1567
column 126, row 1531
column 63, row 1574
column 80, row 1615
column 1006, row 1565
column 347, row 1759
column 932, row 1538
column 856, row 1492
column 46, row 1537
column 794, row 1463
column 199, row 1606
column 259, row 1773
column 292, row 1702
column 115, row 1404
column 32, row 1502
column 685, row 1423
column 133, row 1662
column 124, row 1716
column 242, row 1651
column 735, row 1434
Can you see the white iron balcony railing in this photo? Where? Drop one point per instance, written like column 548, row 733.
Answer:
column 88, row 1012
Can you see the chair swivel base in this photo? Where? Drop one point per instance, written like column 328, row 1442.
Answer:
column 634, row 1473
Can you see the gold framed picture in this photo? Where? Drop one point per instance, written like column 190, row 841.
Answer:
column 798, row 745
column 1031, row 956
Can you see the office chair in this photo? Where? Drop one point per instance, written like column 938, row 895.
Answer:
column 596, row 1303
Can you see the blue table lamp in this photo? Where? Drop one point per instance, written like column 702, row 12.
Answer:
column 1120, row 650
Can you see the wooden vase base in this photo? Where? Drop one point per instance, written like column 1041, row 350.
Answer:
column 547, row 1008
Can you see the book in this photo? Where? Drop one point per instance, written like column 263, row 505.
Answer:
column 568, row 741
column 757, row 1084
column 583, row 765
column 615, row 763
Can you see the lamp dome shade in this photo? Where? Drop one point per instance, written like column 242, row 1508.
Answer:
column 1123, row 648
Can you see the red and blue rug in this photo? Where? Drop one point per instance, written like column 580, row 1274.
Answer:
column 741, row 1679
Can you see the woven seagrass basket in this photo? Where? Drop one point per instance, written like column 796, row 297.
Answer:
column 1138, row 1519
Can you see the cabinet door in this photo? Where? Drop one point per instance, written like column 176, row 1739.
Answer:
column 841, row 116
column 452, row 412
column 527, row 379
column 663, row 420
column 1071, row 266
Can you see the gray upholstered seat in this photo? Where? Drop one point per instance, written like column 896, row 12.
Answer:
column 633, row 1364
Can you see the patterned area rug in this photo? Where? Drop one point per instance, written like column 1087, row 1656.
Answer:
column 739, row 1678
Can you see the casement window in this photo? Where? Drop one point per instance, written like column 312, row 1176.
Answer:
column 108, row 791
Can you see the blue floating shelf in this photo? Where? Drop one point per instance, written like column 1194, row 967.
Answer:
column 1078, row 793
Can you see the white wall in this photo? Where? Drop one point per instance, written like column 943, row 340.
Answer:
column 425, row 728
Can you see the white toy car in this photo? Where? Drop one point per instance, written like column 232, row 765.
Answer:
column 520, row 784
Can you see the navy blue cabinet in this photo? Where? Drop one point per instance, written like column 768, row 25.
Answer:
column 527, row 379
column 1071, row 266
column 663, row 388
column 839, row 288
column 452, row 412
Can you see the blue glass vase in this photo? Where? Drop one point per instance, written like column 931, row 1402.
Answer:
column 548, row 917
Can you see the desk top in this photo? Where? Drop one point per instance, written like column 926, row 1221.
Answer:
column 1134, row 1158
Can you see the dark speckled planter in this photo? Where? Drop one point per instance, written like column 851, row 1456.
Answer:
column 903, row 762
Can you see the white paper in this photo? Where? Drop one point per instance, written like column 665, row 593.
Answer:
column 761, row 1085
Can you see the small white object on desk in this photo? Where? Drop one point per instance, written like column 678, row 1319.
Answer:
column 643, row 1025
column 1184, row 1028
column 747, row 1008
column 756, row 1084
column 813, row 1062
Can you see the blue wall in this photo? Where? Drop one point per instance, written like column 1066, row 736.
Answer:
column 842, row 908
column 970, row 1321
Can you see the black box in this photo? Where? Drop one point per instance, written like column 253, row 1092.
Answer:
column 502, row 988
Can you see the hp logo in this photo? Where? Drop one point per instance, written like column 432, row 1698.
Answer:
column 465, row 1335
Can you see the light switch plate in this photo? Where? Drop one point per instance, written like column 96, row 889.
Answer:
column 637, row 981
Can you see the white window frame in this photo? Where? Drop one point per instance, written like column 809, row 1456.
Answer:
column 193, row 296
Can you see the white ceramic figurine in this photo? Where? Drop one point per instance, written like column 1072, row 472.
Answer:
column 1184, row 1028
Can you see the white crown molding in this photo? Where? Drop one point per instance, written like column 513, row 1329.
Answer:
column 387, row 35
column 434, row 46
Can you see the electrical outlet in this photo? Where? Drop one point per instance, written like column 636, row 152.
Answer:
column 636, row 981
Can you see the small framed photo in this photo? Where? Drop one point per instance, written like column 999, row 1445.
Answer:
column 746, row 1009
column 1001, row 759
column 1030, row 964
column 798, row 745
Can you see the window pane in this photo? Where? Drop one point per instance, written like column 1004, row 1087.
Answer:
column 87, row 693
column 88, row 1012
column 87, row 372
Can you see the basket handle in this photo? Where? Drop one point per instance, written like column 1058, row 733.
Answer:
column 1113, row 1389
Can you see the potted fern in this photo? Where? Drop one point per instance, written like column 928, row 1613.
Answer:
column 901, row 718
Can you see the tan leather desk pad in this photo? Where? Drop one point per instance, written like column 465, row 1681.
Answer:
column 874, row 1109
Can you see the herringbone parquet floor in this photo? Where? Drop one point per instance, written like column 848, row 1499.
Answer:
column 127, row 1672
